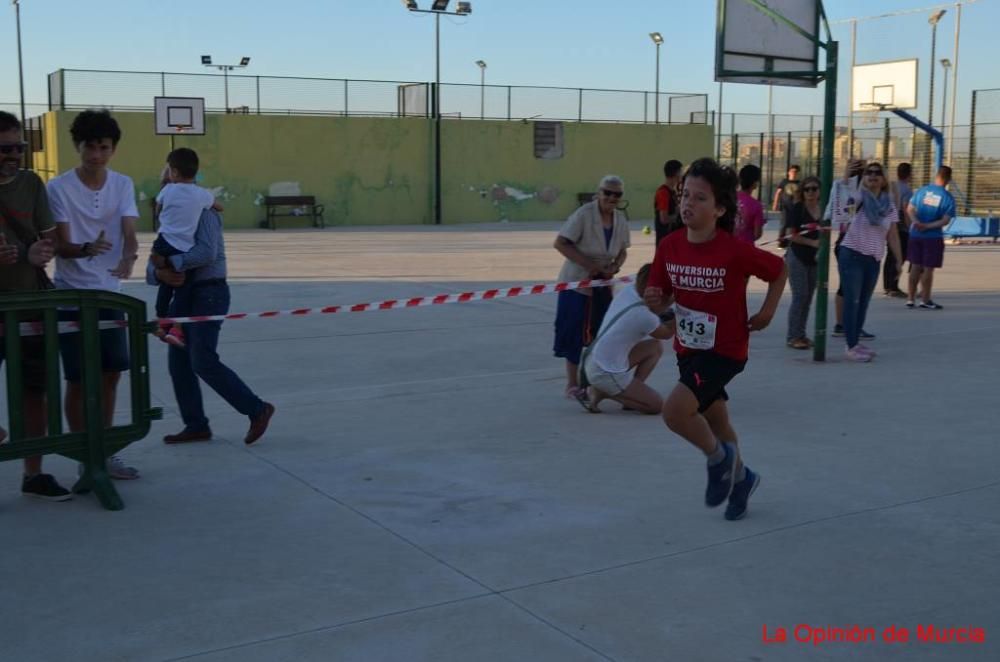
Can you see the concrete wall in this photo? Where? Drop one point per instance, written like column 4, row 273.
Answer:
column 491, row 173
column 378, row 170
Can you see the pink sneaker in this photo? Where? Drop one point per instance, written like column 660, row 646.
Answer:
column 858, row 355
column 175, row 336
column 866, row 349
column 172, row 335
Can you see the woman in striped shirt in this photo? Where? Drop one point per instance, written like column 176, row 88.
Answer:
column 862, row 250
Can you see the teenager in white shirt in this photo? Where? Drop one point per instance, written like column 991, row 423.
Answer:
column 95, row 214
column 179, row 205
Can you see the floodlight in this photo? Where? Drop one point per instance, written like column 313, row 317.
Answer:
column 945, row 62
column 481, row 64
column 464, row 8
column 656, row 37
column 245, row 61
column 440, row 5
column 936, row 16
column 206, row 60
column 410, row 4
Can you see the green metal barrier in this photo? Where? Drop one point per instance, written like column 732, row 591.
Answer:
column 96, row 443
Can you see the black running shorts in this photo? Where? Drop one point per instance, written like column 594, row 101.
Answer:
column 706, row 374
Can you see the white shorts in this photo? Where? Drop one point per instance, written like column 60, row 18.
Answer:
column 612, row 383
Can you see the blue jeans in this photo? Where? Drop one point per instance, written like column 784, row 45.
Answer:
column 199, row 360
column 858, row 277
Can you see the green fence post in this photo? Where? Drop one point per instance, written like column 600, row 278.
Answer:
column 972, row 157
column 95, row 474
column 52, row 381
column 15, row 392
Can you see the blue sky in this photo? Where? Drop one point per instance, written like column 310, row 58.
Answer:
column 572, row 43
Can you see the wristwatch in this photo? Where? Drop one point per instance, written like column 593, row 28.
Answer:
column 667, row 316
column 85, row 249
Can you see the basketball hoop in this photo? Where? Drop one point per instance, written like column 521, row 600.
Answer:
column 869, row 113
column 179, row 116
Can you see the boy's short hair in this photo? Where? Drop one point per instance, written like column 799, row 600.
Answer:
column 944, row 172
column 93, row 125
column 904, row 170
column 9, row 122
column 795, row 166
column 185, row 161
column 672, row 168
column 749, row 176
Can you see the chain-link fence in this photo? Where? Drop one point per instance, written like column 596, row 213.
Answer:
column 269, row 95
column 777, row 142
column 517, row 102
column 983, row 161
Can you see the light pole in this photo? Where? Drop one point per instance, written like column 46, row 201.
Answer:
column 933, row 20
column 482, row 88
column 20, row 68
column 658, row 40
column 438, row 7
column 954, row 78
column 225, row 69
column 946, row 65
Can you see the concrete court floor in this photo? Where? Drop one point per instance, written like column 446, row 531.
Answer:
column 425, row 492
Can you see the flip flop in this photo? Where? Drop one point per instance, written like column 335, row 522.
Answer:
column 584, row 400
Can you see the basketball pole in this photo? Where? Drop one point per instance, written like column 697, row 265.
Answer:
column 826, row 184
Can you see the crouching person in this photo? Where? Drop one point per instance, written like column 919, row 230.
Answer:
column 626, row 351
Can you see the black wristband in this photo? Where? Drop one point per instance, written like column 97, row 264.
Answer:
column 667, row 317
column 85, row 249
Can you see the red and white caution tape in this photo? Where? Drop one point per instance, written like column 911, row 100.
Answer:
column 415, row 302
column 808, row 227
column 37, row 328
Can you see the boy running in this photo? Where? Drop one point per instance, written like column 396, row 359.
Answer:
column 704, row 270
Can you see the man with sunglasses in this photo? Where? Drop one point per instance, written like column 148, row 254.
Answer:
column 931, row 208
column 27, row 244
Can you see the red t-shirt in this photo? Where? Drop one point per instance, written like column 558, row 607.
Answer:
column 662, row 200
column 710, row 281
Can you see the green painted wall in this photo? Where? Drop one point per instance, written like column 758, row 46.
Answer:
column 371, row 171
column 364, row 170
column 491, row 172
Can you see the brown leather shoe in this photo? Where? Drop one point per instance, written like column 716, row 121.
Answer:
column 258, row 426
column 185, row 436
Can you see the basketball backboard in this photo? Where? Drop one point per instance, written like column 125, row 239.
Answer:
column 884, row 85
column 751, row 45
column 179, row 116
column 412, row 100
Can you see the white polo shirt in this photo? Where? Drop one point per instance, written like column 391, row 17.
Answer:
column 615, row 342
column 87, row 212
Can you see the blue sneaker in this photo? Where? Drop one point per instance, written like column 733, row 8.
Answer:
column 720, row 478
column 737, row 508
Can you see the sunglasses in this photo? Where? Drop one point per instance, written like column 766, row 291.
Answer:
column 611, row 194
column 810, row 189
column 10, row 148
column 877, row 173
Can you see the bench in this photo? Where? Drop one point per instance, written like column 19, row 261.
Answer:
column 274, row 203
